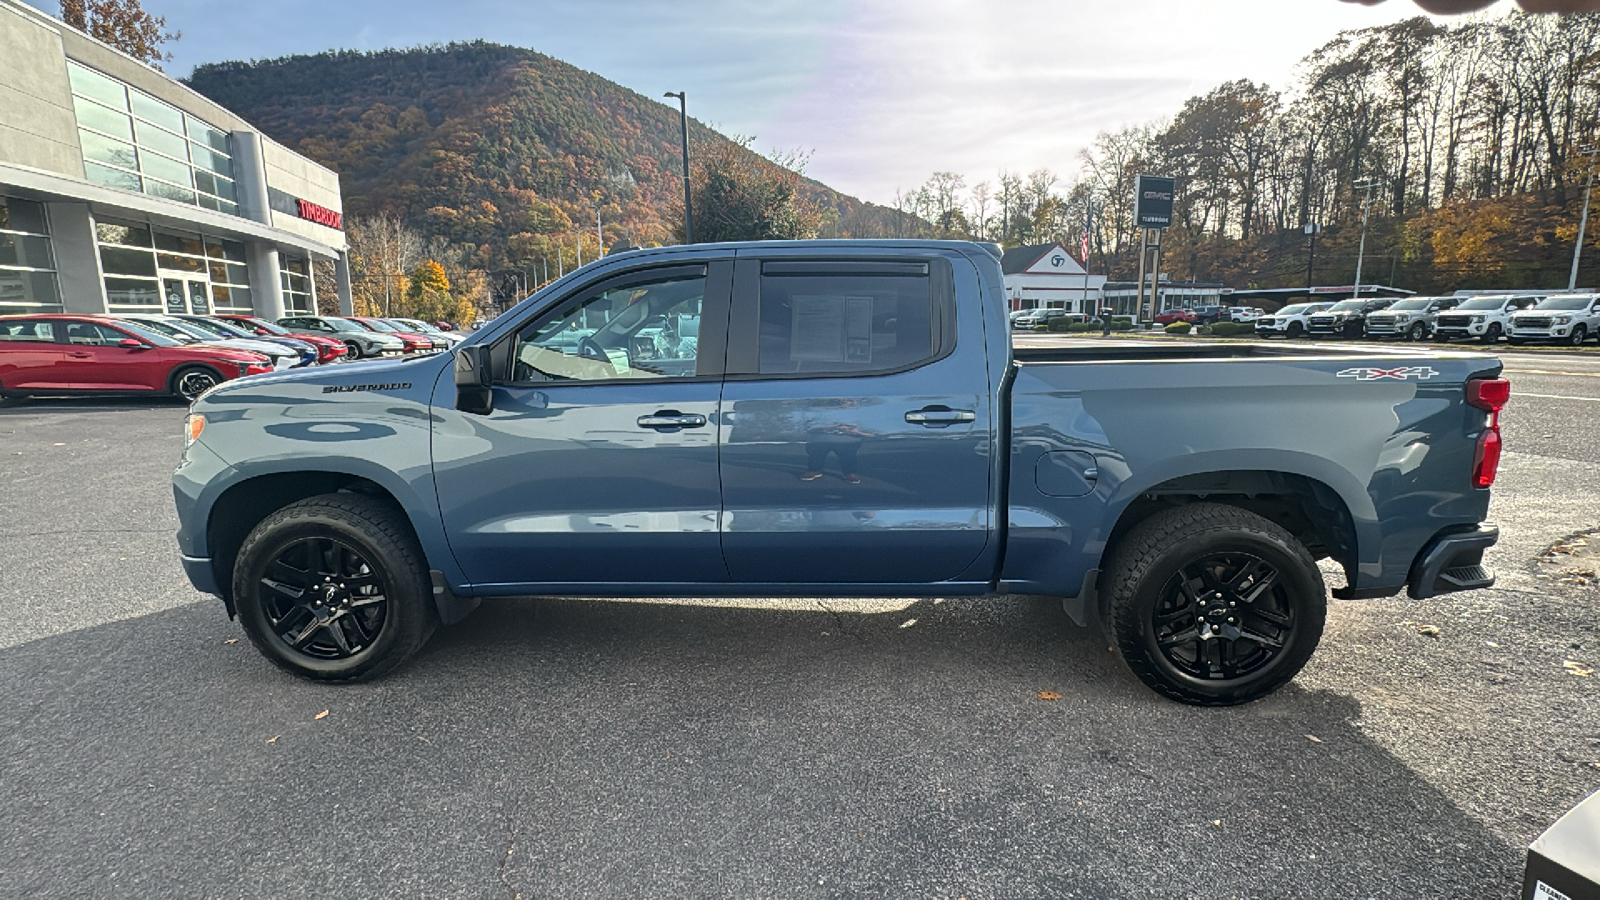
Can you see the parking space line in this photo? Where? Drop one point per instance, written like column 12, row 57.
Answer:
column 1551, row 372
column 1555, row 397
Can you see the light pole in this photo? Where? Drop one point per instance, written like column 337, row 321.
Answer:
column 1312, row 229
column 1583, row 223
column 1366, row 210
column 683, row 122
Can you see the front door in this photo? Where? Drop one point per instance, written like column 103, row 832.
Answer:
column 855, row 430
column 186, row 294
column 598, row 464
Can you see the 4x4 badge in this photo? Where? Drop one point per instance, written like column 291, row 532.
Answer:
column 1364, row 373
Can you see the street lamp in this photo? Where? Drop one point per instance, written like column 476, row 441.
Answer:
column 1583, row 223
column 683, row 121
column 1366, row 208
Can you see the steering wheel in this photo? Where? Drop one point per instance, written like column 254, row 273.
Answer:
column 589, row 348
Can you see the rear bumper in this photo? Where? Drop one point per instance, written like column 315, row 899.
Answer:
column 1453, row 562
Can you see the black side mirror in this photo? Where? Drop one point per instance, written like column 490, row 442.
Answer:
column 474, row 380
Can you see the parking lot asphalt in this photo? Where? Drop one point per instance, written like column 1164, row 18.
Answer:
column 767, row 748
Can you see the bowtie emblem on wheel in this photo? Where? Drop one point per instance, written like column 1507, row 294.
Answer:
column 1366, row 373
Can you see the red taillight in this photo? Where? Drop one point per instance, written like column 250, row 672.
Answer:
column 1486, row 461
column 1488, row 394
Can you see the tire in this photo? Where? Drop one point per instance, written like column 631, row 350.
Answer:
column 1417, row 333
column 354, row 348
column 290, row 588
column 1296, row 330
column 1579, row 334
column 1492, row 334
column 189, row 382
column 1515, row 342
column 8, row 399
column 1441, row 338
column 1156, row 573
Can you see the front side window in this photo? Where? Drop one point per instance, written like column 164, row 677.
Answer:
column 817, row 321
column 640, row 330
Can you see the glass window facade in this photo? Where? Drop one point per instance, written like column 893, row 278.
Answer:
column 134, row 257
column 135, row 142
column 27, row 263
column 297, row 285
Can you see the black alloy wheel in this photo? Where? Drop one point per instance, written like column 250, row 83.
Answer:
column 335, row 588
column 1296, row 330
column 193, row 381
column 1213, row 605
column 1492, row 334
column 324, row 598
column 354, row 348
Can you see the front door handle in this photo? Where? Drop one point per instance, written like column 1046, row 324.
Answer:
column 671, row 419
column 939, row 416
column 79, row 354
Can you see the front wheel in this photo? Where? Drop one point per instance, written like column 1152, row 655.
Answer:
column 354, row 350
column 1492, row 334
column 334, row 588
column 1296, row 330
column 1213, row 605
column 192, row 381
column 1417, row 333
column 1579, row 335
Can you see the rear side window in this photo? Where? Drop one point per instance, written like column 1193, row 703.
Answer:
column 28, row 332
column 846, row 318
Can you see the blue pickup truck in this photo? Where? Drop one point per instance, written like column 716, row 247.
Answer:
column 839, row 419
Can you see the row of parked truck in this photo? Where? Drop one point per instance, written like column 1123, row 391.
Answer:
column 1519, row 318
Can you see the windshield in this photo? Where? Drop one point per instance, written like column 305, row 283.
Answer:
column 1347, row 306
column 1483, row 303
column 182, row 335
column 154, row 337
column 269, row 327
column 1294, row 310
column 379, row 325
column 1566, row 303
column 217, row 328
column 1414, row 303
column 414, row 325
column 339, row 324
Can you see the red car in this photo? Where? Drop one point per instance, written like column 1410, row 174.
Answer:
column 328, row 349
column 59, row 354
column 1177, row 315
column 415, row 343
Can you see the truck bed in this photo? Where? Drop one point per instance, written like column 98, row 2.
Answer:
column 1115, row 350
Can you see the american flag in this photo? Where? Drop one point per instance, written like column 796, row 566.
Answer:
column 1085, row 253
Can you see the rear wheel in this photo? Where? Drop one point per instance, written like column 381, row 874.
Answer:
column 354, row 348
column 190, row 382
column 1214, row 605
column 334, row 588
column 1579, row 334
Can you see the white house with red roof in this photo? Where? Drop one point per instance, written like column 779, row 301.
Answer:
column 1046, row 275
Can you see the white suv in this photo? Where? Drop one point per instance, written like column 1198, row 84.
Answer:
column 1485, row 317
column 1568, row 318
column 1244, row 314
column 1289, row 321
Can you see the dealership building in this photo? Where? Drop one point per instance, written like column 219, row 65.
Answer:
column 122, row 190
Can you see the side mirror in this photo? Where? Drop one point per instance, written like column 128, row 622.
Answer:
column 132, row 344
column 474, row 380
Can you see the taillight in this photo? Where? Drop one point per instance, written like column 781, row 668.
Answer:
column 1489, row 395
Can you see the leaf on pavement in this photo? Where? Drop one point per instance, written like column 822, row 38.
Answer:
column 231, row 641
column 274, row 739
column 1578, row 668
column 1429, row 630
column 1048, row 695
column 1312, row 737
column 321, row 715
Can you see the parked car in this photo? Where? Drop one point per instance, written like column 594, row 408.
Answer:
column 63, row 354
column 1412, row 318
column 1486, row 317
column 444, row 326
column 427, row 330
column 414, row 342
column 1245, row 314
column 1347, row 318
column 1210, row 315
column 1564, row 318
column 360, row 341
column 1290, row 321
column 328, row 349
column 1039, row 319
column 863, row 437
column 1180, row 314
column 185, row 333
column 230, row 331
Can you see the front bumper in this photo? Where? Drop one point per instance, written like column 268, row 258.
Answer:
column 200, row 573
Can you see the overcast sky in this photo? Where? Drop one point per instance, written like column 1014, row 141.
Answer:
column 882, row 92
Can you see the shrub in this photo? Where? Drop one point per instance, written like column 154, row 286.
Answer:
column 1203, row 329
column 1232, row 329
column 1083, row 327
column 1178, row 328
column 1060, row 324
column 1121, row 323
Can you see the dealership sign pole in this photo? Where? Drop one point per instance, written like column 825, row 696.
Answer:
column 1152, row 209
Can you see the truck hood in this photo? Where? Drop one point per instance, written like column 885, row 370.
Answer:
column 341, row 379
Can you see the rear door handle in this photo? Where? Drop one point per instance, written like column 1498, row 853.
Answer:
column 671, row 419
column 939, row 416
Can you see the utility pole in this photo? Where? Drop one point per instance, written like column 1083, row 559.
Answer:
column 561, row 261
column 1583, row 223
column 1366, row 210
column 683, row 124
column 599, row 236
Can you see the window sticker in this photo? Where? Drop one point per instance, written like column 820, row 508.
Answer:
column 827, row 328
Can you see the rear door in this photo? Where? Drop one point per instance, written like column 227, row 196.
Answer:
column 31, row 357
column 598, row 464
column 855, row 427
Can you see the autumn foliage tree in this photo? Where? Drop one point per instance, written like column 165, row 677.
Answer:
column 739, row 195
column 124, row 25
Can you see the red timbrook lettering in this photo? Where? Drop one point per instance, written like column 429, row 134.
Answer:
column 319, row 214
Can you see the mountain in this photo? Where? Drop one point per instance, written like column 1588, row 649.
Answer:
column 500, row 148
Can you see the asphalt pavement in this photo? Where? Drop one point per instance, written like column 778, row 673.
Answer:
column 768, row 748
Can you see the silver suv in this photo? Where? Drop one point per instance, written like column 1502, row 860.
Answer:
column 1412, row 318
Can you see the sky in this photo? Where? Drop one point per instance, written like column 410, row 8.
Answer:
column 880, row 93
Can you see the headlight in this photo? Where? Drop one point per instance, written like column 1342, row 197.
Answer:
column 192, row 427
column 1563, row 320
column 1477, row 320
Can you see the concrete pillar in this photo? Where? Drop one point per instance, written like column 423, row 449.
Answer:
column 250, row 177
column 341, row 274
column 77, row 258
column 266, row 280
